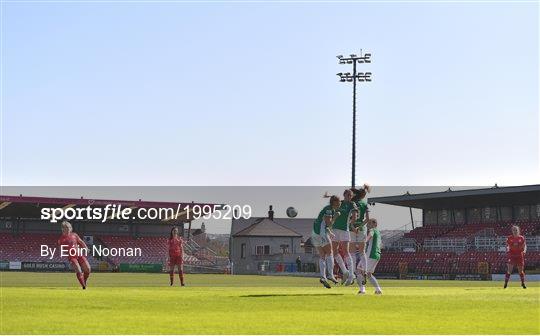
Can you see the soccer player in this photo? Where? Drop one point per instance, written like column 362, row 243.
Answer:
column 374, row 244
column 176, row 256
column 358, row 227
column 516, row 248
column 70, row 242
column 343, row 237
column 320, row 238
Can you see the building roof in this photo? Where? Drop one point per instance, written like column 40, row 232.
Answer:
column 265, row 227
column 468, row 198
column 303, row 226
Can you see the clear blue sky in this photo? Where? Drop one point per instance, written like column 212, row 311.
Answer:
column 246, row 94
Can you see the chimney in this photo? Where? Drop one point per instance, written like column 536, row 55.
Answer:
column 271, row 213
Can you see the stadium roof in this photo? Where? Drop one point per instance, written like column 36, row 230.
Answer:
column 495, row 196
column 30, row 206
column 266, row 227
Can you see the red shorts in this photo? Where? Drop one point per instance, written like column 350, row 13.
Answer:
column 80, row 259
column 176, row 260
column 516, row 259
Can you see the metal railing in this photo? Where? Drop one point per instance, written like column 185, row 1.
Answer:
column 446, row 244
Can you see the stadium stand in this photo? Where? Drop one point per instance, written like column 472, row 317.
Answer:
column 26, row 247
column 448, row 262
column 440, row 245
column 474, row 244
column 420, row 234
column 424, row 232
column 22, row 233
column 154, row 249
column 467, row 247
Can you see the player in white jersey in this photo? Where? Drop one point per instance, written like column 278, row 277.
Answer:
column 373, row 251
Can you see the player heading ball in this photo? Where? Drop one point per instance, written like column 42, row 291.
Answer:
column 347, row 209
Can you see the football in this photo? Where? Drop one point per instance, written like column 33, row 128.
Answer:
column 291, row 212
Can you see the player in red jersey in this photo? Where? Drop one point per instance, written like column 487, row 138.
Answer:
column 71, row 243
column 176, row 254
column 516, row 247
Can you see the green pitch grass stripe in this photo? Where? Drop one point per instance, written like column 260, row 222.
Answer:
column 220, row 304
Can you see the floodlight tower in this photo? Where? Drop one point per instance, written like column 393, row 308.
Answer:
column 355, row 76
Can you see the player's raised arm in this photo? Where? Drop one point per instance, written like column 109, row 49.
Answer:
column 366, row 216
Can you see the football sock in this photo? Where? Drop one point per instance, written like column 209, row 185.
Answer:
column 171, row 277
column 322, row 267
column 340, row 263
column 522, row 277
column 350, row 263
column 362, row 260
column 86, row 276
column 330, row 266
column 360, row 279
column 506, row 278
column 374, row 282
column 181, row 276
column 80, row 277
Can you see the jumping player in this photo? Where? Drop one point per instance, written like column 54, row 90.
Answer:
column 320, row 238
column 71, row 242
column 358, row 227
column 176, row 255
column 516, row 248
column 343, row 237
column 373, row 241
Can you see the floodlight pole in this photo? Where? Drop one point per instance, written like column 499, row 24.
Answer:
column 361, row 77
column 354, row 129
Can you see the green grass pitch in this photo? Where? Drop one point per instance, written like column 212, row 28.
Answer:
column 124, row 303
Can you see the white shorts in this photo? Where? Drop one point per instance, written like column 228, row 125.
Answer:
column 320, row 240
column 368, row 265
column 342, row 235
column 359, row 237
